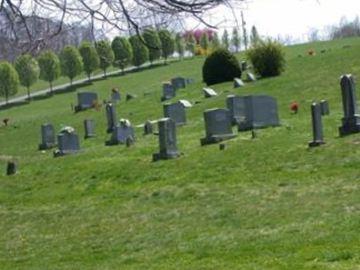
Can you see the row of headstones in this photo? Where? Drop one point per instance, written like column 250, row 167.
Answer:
column 170, row 88
column 351, row 119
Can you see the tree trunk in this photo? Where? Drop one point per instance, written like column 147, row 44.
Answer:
column 28, row 92
column 89, row 77
column 50, row 83
column 6, row 97
column 104, row 73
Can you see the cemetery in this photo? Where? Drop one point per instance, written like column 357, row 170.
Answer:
column 189, row 172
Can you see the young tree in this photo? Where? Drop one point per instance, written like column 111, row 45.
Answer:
column 9, row 80
column 140, row 51
column 167, row 43
column 71, row 62
column 215, row 43
column 225, row 40
column 236, row 40
column 90, row 58
column 122, row 51
column 204, row 42
column 153, row 44
column 179, row 44
column 254, row 38
column 106, row 54
column 28, row 71
column 191, row 44
column 49, row 65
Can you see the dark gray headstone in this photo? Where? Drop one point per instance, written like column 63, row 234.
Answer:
column 351, row 119
column 208, row 92
column 250, row 77
column 316, row 125
column 252, row 112
column 167, row 140
column 217, row 126
column 238, row 83
column 122, row 133
column 175, row 111
column 111, row 117
column 89, row 126
column 115, row 96
column 86, row 100
column 68, row 143
column 243, row 65
column 178, row 82
column 237, row 108
column 11, row 168
column 47, row 137
column 168, row 91
column 324, row 105
column 189, row 81
column 148, row 128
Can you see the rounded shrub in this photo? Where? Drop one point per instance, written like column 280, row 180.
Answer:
column 220, row 66
column 267, row 57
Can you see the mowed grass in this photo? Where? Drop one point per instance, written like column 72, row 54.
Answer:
column 266, row 203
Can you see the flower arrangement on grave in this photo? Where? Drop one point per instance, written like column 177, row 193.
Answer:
column 311, row 52
column 67, row 129
column 6, row 121
column 294, row 107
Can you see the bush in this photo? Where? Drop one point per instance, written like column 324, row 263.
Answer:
column 220, row 66
column 268, row 58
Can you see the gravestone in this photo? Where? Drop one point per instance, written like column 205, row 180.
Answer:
column 250, row 77
column 115, row 95
column 185, row 103
column 11, row 168
column 316, row 125
column 89, row 126
column 208, row 92
column 68, row 143
column 351, row 119
column 238, row 83
column 260, row 112
column 243, row 65
column 148, row 128
column 237, row 108
column 175, row 111
column 122, row 134
column 217, row 126
column 324, row 105
column 130, row 96
column 167, row 140
column 47, row 137
column 86, row 100
column 189, row 81
column 110, row 116
column 168, row 91
column 178, row 82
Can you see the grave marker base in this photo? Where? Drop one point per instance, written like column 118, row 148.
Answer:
column 216, row 139
column 350, row 126
column 46, row 146
column 316, row 143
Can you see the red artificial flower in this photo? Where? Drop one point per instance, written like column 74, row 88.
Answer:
column 294, row 107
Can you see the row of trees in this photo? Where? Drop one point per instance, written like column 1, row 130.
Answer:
column 88, row 57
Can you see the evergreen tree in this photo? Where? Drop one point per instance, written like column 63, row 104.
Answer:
column 236, row 40
column 204, row 42
column 180, row 45
column 254, row 38
column 122, row 51
column 49, row 65
column 28, row 71
column 191, row 44
column 106, row 54
column 225, row 40
column 140, row 51
column 153, row 44
column 9, row 80
column 215, row 42
column 167, row 43
column 90, row 58
column 71, row 62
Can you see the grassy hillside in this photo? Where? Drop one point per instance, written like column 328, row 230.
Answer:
column 267, row 203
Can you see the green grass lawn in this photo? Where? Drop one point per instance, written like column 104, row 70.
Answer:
column 267, row 203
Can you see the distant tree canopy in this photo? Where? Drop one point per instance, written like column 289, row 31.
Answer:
column 123, row 52
column 225, row 40
column 153, row 43
column 28, row 71
column 9, row 80
column 71, row 62
column 167, row 43
column 106, row 54
column 140, row 51
column 49, row 65
column 90, row 58
column 346, row 29
column 179, row 45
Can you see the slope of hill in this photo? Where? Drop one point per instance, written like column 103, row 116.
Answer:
column 264, row 203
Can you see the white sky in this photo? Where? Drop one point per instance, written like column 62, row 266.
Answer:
column 287, row 17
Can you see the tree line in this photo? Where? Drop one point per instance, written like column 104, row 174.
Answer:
column 121, row 52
